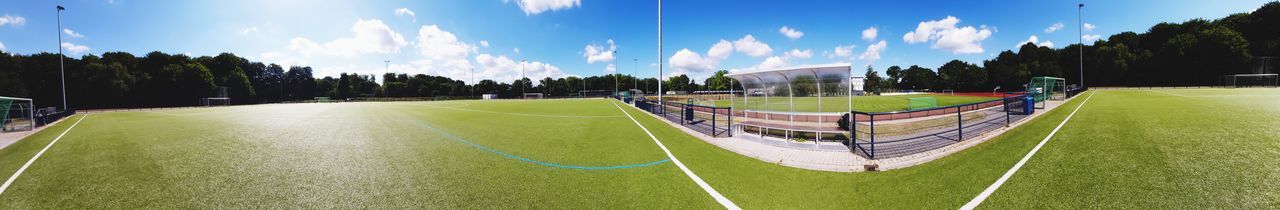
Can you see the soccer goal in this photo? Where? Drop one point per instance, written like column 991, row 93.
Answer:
column 918, row 103
column 219, row 98
column 948, row 92
column 1251, row 80
column 1047, row 88
column 532, row 95
column 17, row 114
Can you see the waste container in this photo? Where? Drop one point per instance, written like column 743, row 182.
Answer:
column 1029, row 104
column 688, row 113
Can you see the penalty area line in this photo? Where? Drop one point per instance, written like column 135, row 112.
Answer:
column 705, row 187
column 9, row 182
column 1003, row 178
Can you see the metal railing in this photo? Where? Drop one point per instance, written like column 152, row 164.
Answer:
column 709, row 120
column 877, row 135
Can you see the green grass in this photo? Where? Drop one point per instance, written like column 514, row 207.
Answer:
column 1124, row 149
column 841, row 104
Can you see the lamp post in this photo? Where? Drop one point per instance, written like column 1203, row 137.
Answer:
column 522, row 77
column 62, row 72
column 660, row 52
column 635, row 83
column 1080, row 32
column 615, row 72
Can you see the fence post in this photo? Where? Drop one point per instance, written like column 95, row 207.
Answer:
column 1006, row 112
column 873, row 136
column 713, row 122
column 853, row 130
column 959, row 124
column 730, row 123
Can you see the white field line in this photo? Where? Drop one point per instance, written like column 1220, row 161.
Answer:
column 1168, row 93
column 992, row 189
column 33, row 158
column 705, row 187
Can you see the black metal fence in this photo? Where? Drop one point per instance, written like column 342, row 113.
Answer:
column 44, row 118
column 709, row 120
column 878, row 135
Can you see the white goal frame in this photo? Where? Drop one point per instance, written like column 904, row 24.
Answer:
column 25, row 110
column 533, row 95
column 1253, row 80
column 215, row 101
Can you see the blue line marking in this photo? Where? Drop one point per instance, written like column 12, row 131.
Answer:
column 543, row 163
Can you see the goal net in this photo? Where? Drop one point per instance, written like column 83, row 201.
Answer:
column 16, row 114
column 948, row 92
column 918, row 103
column 215, row 101
column 1250, row 80
column 532, row 95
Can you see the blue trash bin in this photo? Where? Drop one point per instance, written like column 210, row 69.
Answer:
column 1029, row 105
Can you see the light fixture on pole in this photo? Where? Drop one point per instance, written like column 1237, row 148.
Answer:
column 522, row 77
column 635, row 84
column 62, row 71
column 1080, row 32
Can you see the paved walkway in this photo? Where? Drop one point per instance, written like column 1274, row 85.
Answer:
column 821, row 157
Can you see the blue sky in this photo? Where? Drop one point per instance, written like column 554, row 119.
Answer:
column 576, row 37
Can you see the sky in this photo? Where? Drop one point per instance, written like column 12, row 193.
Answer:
column 495, row 39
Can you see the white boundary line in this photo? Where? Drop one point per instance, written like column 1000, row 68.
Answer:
column 33, row 158
column 714, row 194
column 992, row 189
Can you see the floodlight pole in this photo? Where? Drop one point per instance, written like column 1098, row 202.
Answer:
column 660, row 53
column 522, row 77
column 634, row 84
column 62, row 71
column 1080, row 33
column 615, row 72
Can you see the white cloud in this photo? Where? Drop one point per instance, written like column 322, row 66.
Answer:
column 1091, row 37
column 791, row 33
column 2, row 46
column 282, row 59
column 610, row 69
column 371, row 36
column 533, row 7
column 405, row 11
column 74, row 49
column 517, row 50
column 71, row 33
column 438, row 44
column 873, row 52
column 842, row 51
column 1054, row 27
column 946, row 36
column 1034, row 40
column 503, row 69
column 1089, row 27
column 484, row 43
column 249, row 30
column 870, row 34
column 687, row 60
column 752, row 47
column 771, row 62
column 12, row 20
column 797, row 53
column 597, row 53
column 721, row 50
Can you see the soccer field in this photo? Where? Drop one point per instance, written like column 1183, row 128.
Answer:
column 1173, row 148
column 841, row 104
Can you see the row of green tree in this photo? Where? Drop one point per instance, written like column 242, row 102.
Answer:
column 1192, row 53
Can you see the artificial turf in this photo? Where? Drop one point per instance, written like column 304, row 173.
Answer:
column 886, row 103
column 1124, row 149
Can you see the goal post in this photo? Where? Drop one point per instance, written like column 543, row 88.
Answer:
column 1250, row 80
column 18, row 114
column 532, row 95
column 215, row 101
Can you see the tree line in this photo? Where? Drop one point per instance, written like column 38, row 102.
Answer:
column 1194, row 52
